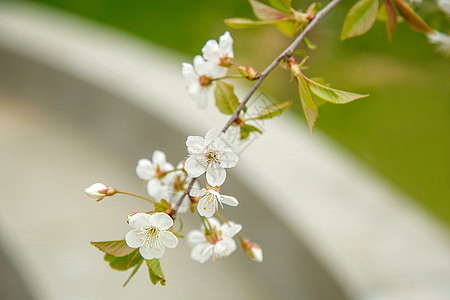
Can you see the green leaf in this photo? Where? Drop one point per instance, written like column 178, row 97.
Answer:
column 226, row 100
column 301, row 52
column 133, row 272
column 240, row 23
column 273, row 110
column 124, row 262
column 288, row 28
column 414, row 20
column 391, row 17
column 155, row 272
column 360, row 18
column 309, row 44
column 246, row 129
column 265, row 12
column 283, row 5
column 162, row 206
column 114, row 248
column 332, row 95
column 304, row 92
column 308, row 104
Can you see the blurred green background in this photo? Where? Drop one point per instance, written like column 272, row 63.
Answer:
column 401, row 130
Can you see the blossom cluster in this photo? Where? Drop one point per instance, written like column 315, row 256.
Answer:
column 201, row 75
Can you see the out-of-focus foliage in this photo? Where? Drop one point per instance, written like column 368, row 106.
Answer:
column 401, row 130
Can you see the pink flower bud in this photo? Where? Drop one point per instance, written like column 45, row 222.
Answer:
column 99, row 191
column 252, row 250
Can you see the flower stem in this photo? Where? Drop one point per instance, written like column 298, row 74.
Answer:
column 137, row 196
column 229, row 76
column 288, row 52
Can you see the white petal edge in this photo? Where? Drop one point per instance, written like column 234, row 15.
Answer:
column 169, row 239
column 215, row 174
column 133, row 238
column 195, row 237
column 194, row 167
column 228, row 200
column 161, row 221
column 139, row 220
column 145, row 169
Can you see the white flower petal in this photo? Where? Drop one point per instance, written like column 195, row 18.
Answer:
column 230, row 229
column 228, row 200
column 215, row 174
column 229, row 158
column 159, row 158
column 211, row 51
column 195, row 144
column 207, row 206
column 145, row 169
column 195, row 192
column 214, row 223
column 188, row 72
column 198, row 252
column 194, row 167
column 134, row 238
column 139, row 220
column 154, row 187
column 149, row 251
column 214, row 134
column 224, row 247
column 226, row 45
column 206, row 254
column 202, row 98
column 195, row 237
column 94, row 191
column 161, row 221
column 169, row 239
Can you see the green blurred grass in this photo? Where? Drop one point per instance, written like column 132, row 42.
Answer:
column 401, row 130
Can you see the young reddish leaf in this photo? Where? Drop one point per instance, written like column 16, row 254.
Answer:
column 241, row 23
column 308, row 104
column 414, row 20
column 273, row 110
column 265, row 12
column 332, row 95
column 391, row 17
column 283, row 5
column 360, row 18
column 123, row 263
column 226, row 101
column 114, row 248
column 155, row 272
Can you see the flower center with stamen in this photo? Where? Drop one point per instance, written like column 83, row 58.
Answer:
column 225, row 61
column 204, row 80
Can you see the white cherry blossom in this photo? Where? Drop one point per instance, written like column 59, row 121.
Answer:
column 211, row 155
column 220, row 54
column 442, row 41
column 199, row 79
column 217, row 242
column 211, row 198
column 150, row 234
column 155, row 172
column 178, row 184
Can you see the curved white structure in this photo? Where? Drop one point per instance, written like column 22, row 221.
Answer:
column 375, row 243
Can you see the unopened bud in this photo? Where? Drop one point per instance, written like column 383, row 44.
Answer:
column 99, row 191
column 129, row 217
column 248, row 72
column 252, row 250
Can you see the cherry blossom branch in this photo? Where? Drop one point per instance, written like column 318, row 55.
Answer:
column 288, row 52
column 137, row 196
